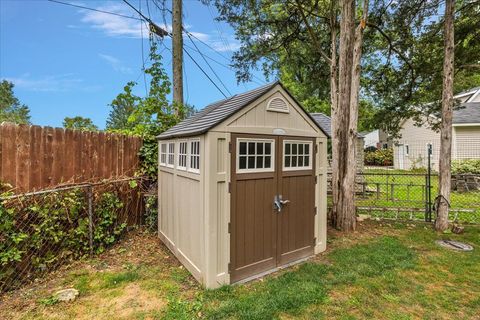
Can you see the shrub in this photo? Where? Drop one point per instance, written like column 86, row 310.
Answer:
column 466, row 166
column 38, row 233
column 380, row 157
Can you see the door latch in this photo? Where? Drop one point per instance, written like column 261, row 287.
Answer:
column 278, row 202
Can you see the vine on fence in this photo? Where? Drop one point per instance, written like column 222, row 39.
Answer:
column 39, row 232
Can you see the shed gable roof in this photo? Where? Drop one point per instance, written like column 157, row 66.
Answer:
column 215, row 113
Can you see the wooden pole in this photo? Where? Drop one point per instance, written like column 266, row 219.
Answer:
column 445, row 174
column 177, row 46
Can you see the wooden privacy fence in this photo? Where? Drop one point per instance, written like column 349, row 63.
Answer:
column 34, row 157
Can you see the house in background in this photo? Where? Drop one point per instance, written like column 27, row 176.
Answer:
column 410, row 151
column 325, row 122
column 377, row 139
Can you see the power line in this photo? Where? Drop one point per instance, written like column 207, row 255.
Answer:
column 204, row 72
column 208, row 64
column 143, row 54
column 97, row 10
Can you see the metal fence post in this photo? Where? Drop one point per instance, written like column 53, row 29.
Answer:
column 90, row 217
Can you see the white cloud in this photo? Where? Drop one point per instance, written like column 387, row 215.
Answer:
column 115, row 63
column 51, row 83
column 116, row 26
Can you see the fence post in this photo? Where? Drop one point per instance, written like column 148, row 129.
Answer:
column 90, row 217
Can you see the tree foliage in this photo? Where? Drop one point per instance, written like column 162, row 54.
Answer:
column 146, row 116
column 401, row 62
column 11, row 110
column 79, row 123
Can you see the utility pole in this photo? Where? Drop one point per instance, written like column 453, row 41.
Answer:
column 177, row 44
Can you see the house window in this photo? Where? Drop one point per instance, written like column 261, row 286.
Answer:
column 194, row 165
column 255, row 155
column 297, row 155
column 171, row 155
column 182, row 155
column 163, row 154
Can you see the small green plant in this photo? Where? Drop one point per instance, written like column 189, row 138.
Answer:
column 49, row 301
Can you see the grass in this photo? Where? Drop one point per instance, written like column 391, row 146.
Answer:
column 383, row 271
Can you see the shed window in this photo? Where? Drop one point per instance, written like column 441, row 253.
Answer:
column 182, row 155
column 254, row 155
column 194, row 165
column 163, row 154
column 171, row 155
column 297, row 155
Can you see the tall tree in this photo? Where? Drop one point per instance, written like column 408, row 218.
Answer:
column 441, row 223
column 123, row 106
column 79, row 123
column 11, row 110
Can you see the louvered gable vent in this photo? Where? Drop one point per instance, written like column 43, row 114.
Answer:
column 278, row 105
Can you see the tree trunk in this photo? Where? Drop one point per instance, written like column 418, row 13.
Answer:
column 343, row 208
column 334, row 102
column 441, row 223
column 177, row 51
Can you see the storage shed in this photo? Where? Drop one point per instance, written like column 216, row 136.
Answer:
column 243, row 187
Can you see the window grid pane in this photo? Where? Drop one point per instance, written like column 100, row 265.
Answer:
column 253, row 155
column 296, row 155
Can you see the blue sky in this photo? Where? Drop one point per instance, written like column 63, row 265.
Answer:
column 66, row 61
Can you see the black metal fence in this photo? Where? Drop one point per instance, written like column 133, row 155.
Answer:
column 40, row 231
column 397, row 194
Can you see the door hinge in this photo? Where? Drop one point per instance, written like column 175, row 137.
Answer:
column 229, row 227
column 229, row 187
column 230, row 147
column 229, row 267
column 314, row 241
column 316, row 179
column 315, row 211
column 316, row 148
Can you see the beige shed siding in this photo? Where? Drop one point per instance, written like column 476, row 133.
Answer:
column 257, row 119
column 217, row 209
column 321, row 196
column 417, row 139
column 181, row 212
column 467, row 142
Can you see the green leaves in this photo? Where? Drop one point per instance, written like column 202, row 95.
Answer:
column 11, row 110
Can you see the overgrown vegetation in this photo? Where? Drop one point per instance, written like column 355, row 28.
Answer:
column 380, row 157
column 466, row 166
column 11, row 110
column 37, row 233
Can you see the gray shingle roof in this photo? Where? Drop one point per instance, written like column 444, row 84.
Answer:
column 467, row 113
column 215, row 113
column 324, row 121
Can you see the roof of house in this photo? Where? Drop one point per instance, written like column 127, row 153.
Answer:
column 467, row 113
column 325, row 123
column 469, row 94
column 215, row 113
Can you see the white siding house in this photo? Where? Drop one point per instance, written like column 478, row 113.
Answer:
column 410, row 151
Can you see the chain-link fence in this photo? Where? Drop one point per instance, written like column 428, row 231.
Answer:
column 40, row 231
column 395, row 194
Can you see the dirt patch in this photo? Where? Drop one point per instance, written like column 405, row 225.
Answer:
column 136, row 248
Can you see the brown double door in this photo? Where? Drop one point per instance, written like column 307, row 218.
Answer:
column 272, row 202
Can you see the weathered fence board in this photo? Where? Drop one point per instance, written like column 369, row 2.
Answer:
column 34, row 157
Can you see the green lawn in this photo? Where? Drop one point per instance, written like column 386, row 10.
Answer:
column 383, row 271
